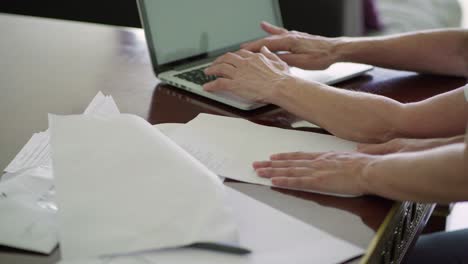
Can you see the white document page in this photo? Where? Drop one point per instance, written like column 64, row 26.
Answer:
column 273, row 237
column 28, row 215
column 36, row 152
column 29, row 219
column 229, row 145
column 122, row 186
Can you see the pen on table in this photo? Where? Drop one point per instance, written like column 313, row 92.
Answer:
column 221, row 247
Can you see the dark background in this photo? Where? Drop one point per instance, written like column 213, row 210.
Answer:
column 322, row 17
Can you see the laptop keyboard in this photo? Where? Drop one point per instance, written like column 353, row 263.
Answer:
column 196, row 76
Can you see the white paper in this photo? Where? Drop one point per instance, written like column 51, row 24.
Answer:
column 28, row 215
column 229, row 145
column 122, row 186
column 273, row 237
column 168, row 128
column 303, row 123
column 335, row 73
column 36, row 152
column 26, row 222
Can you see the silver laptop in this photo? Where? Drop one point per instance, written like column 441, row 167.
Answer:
column 184, row 37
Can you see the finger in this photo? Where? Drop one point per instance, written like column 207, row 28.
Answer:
column 318, row 183
column 282, row 164
column 271, row 29
column 284, row 172
column 222, row 70
column 296, row 156
column 245, row 53
column 308, row 183
column 311, row 183
column 220, row 84
column 275, row 43
column 288, row 182
column 375, row 149
column 229, row 58
column 265, row 51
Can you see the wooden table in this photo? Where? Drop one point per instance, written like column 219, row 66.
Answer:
column 53, row 66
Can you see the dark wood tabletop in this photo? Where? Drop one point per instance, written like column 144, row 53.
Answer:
column 54, row 66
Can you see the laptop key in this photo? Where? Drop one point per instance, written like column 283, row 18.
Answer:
column 196, row 76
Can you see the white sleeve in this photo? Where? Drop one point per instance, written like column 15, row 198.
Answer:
column 466, row 92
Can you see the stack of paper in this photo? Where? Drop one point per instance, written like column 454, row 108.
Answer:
column 229, row 146
column 27, row 190
column 36, row 153
column 124, row 187
column 28, row 213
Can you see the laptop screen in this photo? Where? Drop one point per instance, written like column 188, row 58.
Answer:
column 181, row 29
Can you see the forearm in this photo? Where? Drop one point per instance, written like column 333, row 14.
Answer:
column 437, row 142
column 443, row 115
column 356, row 116
column 436, row 175
column 439, row 52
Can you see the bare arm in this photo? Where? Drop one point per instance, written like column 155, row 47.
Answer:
column 408, row 145
column 356, row 116
column 434, row 51
column 436, row 175
column 351, row 115
column 366, row 117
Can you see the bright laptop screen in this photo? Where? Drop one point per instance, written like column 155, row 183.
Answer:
column 185, row 28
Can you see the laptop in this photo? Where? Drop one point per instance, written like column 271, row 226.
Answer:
column 184, row 37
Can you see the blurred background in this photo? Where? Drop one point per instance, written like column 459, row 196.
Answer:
column 324, row 17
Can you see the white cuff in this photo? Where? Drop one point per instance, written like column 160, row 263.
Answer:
column 466, row 92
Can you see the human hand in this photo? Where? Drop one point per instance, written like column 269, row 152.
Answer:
column 331, row 172
column 401, row 145
column 253, row 76
column 304, row 50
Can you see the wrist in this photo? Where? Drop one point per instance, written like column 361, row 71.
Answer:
column 282, row 89
column 343, row 49
column 368, row 175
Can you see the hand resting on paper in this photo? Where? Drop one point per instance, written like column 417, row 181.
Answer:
column 332, row 172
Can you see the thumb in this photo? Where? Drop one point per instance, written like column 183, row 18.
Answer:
column 271, row 29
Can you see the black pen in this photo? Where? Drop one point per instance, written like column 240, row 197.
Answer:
column 221, row 247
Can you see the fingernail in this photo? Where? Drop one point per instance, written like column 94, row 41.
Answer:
column 261, row 173
column 274, row 181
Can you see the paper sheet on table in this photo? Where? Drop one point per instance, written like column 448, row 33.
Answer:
column 122, row 186
column 168, row 128
column 273, row 237
column 28, row 221
column 303, row 124
column 229, row 145
column 28, row 217
column 36, row 152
